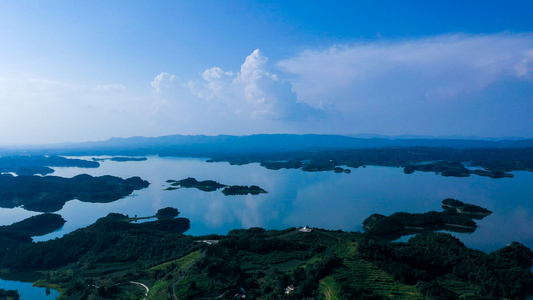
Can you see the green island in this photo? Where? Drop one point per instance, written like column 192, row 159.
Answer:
column 40, row 164
column 465, row 208
column 211, row 185
column 457, row 216
column 243, row 190
column 38, row 225
column 50, row 193
column 116, row 259
column 206, row 185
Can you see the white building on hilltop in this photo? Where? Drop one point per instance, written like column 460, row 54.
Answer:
column 305, row 229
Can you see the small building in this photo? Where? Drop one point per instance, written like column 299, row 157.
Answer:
column 209, row 242
column 305, row 229
column 291, row 288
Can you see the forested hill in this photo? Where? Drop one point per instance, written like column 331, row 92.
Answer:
column 259, row 143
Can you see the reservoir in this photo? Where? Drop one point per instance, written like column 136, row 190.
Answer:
column 296, row 198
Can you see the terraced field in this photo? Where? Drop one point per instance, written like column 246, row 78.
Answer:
column 466, row 290
column 347, row 250
column 329, row 288
column 363, row 275
column 172, row 269
column 179, row 263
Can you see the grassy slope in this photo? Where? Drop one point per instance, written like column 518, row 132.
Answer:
column 172, row 270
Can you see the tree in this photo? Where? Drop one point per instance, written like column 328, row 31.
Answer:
column 167, row 213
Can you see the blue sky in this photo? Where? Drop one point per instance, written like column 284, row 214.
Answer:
column 91, row 70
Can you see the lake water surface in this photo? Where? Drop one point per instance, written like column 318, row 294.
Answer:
column 27, row 291
column 317, row 199
column 297, row 198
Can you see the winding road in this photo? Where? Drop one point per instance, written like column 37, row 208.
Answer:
column 137, row 283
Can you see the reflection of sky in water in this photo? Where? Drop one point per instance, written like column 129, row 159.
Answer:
column 27, row 290
column 297, row 198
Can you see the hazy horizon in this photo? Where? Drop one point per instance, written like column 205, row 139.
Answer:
column 91, row 71
column 356, row 136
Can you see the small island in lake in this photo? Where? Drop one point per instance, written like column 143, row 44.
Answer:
column 211, row 185
column 456, row 217
column 243, row 190
column 465, row 208
column 206, row 185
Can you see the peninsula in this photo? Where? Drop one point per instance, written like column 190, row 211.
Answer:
column 458, row 216
column 33, row 226
column 50, row 193
column 40, row 164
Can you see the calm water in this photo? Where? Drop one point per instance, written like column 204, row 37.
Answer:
column 27, row 291
column 296, row 198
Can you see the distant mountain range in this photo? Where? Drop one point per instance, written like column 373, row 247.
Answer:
column 260, row 143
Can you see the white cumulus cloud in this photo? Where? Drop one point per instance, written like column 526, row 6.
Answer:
column 399, row 86
column 162, row 80
column 252, row 93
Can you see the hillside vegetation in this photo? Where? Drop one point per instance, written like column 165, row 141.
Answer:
column 117, row 259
